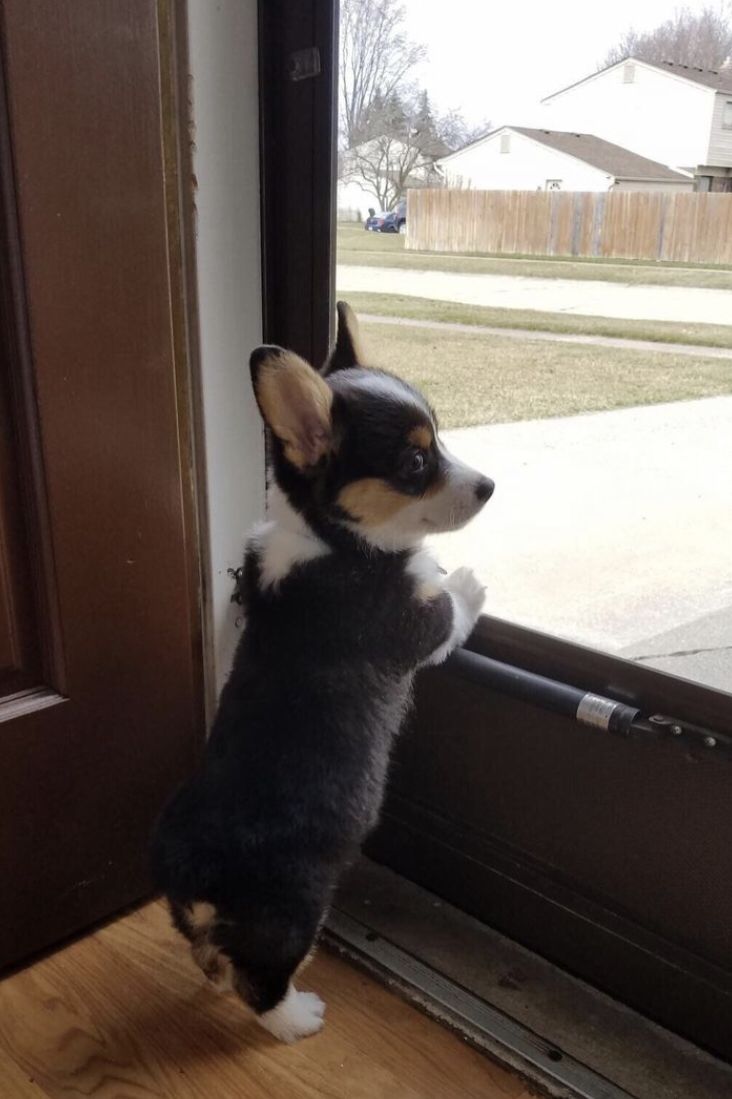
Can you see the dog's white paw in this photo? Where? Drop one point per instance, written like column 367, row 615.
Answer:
column 313, row 1002
column 465, row 586
column 299, row 1015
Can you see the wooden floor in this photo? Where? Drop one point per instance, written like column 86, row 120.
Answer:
column 124, row 1014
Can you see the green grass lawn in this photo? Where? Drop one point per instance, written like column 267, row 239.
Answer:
column 355, row 246
column 473, row 378
column 400, row 305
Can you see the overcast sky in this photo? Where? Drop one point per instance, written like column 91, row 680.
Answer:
column 496, row 60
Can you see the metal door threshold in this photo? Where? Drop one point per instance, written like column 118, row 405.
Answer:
column 566, row 1037
column 484, row 1026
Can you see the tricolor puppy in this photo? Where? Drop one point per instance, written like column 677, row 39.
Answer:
column 342, row 607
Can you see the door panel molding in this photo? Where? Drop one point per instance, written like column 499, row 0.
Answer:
column 43, row 616
column 28, row 702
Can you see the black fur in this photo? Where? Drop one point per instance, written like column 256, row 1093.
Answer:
column 294, row 769
column 345, row 353
column 296, row 762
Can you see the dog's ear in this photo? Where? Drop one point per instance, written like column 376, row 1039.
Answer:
column 347, row 351
column 295, row 404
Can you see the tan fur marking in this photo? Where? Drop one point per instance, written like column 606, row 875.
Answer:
column 435, row 487
column 427, row 576
column 372, row 501
column 296, row 403
column 421, row 436
column 306, row 961
column 428, row 591
column 213, row 964
column 201, row 915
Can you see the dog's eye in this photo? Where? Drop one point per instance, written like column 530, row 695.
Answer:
column 417, row 462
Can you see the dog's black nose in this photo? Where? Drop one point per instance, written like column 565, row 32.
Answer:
column 484, row 489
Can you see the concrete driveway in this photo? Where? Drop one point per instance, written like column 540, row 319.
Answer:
column 601, row 299
column 610, row 528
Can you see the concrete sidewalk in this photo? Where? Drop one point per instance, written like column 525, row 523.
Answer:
column 610, row 528
column 599, row 299
column 700, row 649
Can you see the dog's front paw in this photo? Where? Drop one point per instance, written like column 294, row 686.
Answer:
column 465, row 587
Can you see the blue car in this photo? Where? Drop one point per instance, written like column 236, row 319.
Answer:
column 396, row 221
column 374, row 222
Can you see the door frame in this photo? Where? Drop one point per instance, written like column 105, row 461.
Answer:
column 218, row 83
column 298, row 119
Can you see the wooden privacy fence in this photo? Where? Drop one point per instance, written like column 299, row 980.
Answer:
column 641, row 225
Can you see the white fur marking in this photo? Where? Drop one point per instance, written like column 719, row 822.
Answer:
column 467, row 594
column 284, row 541
column 298, row 1015
column 429, row 581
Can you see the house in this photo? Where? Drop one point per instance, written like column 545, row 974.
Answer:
column 519, row 158
column 376, row 173
column 676, row 114
column 354, row 199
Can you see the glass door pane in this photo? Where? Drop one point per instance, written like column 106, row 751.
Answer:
column 545, row 248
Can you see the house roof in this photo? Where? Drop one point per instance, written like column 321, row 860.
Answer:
column 613, row 159
column 719, row 80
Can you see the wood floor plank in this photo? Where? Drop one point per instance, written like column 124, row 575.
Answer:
column 124, row 1014
column 16, row 1083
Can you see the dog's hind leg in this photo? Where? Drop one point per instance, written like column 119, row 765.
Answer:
column 287, row 1013
column 265, row 957
column 297, row 1015
column 196, row 921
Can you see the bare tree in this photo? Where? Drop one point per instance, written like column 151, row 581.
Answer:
column 702, row 39
column 375, row 59
column 456, row 133
column 403, row 139
column 385, row 167
column 391, row 136
column 393, row 150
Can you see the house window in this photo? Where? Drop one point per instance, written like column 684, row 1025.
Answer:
column 629, row 73
column 727, row 115
column 703, row 183
column 553, row 185
column 505, row 143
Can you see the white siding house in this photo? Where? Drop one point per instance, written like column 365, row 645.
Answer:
column 387, row 160
column 354, row 200
column 720, row 143
column 516, row 158
column 676, row 114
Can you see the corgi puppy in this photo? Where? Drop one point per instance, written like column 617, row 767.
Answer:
column 342, row 606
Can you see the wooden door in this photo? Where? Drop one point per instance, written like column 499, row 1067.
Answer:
column 100, row 701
